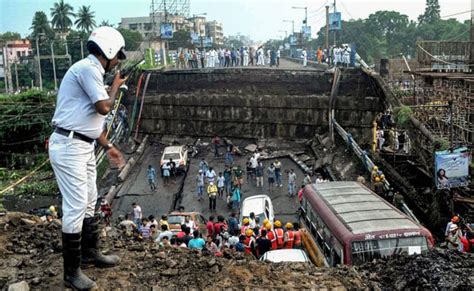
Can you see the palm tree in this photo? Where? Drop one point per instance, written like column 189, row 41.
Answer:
column 40, row 24
column 62, row 13
column 105, row 23
column 85, row 19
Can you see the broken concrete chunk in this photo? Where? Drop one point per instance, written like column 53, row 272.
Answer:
column 19, row 286
column 251, row 148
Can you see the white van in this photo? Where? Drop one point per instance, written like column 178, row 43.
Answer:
column 285, row 255
column 260, row 205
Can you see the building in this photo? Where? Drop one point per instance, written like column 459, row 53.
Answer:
column 214, row 29
column 197, row 24
column 16, row 49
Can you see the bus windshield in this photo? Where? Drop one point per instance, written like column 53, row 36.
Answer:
column 366, row 251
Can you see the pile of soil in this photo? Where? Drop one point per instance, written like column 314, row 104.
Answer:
column 439, row 269
column 30, row 251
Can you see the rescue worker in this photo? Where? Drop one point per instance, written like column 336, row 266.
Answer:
column 212, row 193
column 78, row 121
column 289, row 237
column 279, row 233
column 249, row 242
column 245, row 225
column 378, row 186
column 271, row 236
column 264, row 224
column 297, row 232
column 374, row 174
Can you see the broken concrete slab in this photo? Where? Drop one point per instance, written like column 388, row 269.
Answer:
column 251, row 148
column 19, row 286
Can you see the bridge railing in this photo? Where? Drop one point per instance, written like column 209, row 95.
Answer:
column 366, row 161
column 444, row 55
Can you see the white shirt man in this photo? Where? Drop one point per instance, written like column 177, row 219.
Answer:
column 260, row 60
column 246, row 57
column 304, row 55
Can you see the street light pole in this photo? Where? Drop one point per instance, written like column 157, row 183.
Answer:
column 82, row 48
column 54, row 66
column 39, row 63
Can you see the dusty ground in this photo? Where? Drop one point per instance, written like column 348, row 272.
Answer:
column 30, row 250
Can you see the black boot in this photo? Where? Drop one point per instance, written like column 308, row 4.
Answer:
column 73, row 277
column 91, row 253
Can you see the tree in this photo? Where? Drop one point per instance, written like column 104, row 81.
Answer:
column 9, row 35
column 85, row 19
column 432, row 12
column 40, row 25
column 133, row 39
column 105, row 23
column 62, row 13
column 181, row 38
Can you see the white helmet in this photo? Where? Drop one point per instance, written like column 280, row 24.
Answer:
column 109, row 40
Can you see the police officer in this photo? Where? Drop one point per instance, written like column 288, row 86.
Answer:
column 82, row 105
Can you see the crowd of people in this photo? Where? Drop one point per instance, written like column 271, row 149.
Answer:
column 459, row 235
column 387, row 135
column 227, row 57
column 250, row 235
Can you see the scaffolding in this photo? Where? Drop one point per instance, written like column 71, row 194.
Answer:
column 171, row 7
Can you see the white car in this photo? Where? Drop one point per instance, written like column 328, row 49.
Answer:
column 260, row 205
column 285, row 255
column 178, row 154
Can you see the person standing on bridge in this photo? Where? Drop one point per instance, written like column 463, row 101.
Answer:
column 277, row 165
column 291, row 183
column 271, row 176
column 78, row 121
column 319, row 55
column 151, row 174
column 245, row 59
column 212, row 194
column 304, row 55
column 273, row 57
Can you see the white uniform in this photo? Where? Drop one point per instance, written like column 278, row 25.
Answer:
column 246, row 57
column 260, row 60
column 305, row 58
column 73, row 160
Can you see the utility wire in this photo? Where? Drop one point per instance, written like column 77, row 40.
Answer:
column 459, row 13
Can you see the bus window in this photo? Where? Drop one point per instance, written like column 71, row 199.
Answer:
column 365, row 251
column 336, row 258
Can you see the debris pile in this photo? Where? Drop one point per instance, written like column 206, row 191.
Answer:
column 437, row 269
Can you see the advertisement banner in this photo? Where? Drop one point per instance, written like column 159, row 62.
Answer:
column 293, row 40
column 452, row 168
column 166, row 30
column 335, row 21
column 306, row 31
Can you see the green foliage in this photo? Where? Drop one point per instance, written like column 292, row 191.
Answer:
column 10, row 35
column 37, row 188
column 61, row 14
column 432, row 12
column 181, row 39
column 402, row 115
column 85, row 19
column 40, row 25
column 133, row 39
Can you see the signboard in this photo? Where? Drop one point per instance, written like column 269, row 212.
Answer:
column 166, row 30
column 287, row 46
column 452, row 168
column 335, row 21
column 293, row 40
column 306, row 31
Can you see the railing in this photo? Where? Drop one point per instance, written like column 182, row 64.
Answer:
column 444, row 55
column 367, row 162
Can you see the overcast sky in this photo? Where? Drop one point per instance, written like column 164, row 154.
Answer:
column 260, row 19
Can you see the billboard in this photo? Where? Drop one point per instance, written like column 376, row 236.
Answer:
column 293, row 40
column 195, row 38
column 452, row 168
column 335, row 21
column 306, row 31
column 166, row 30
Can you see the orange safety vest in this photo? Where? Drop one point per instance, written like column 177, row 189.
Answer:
column 297, row 242
column 248, row 244
column 279, row 235
column 243, row 229
column 290, row 237
column 272, row 237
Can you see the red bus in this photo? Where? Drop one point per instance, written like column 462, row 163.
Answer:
column 352, row 225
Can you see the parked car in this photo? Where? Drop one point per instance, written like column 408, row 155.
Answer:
column 179, row 154
column 285, row 255
column 260, row 205
column 176, row 219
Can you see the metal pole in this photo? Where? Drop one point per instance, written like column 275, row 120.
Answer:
column 306, row 16
column 54, row 67
column 4, row 55
column 16, row 77
column 327, row 30
column 82, row 49
column 39, row 65
column 451, row 126
column 67, row 54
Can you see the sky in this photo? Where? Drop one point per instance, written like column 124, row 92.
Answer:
column 259, row 19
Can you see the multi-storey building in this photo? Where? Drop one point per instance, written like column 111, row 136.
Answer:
column 214, row 29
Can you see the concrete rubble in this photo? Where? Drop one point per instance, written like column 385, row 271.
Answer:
column 32, row 253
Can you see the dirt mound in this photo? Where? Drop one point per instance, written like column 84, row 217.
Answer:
column 32, row 253
column 436, row 270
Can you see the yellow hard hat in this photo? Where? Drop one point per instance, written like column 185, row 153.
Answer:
column 268, row 226
column 248, row 232
column 377, row 179
column 246, row 221
column 375, row 168
column 382, row 177
column 288, row 225
column 277, row 223
column 52, row 208
column 265, row 221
